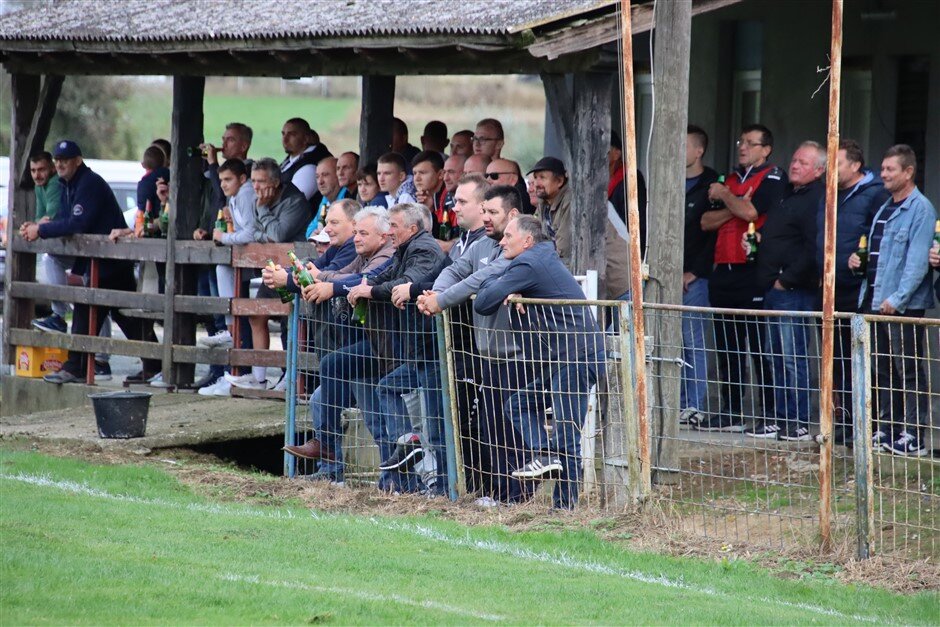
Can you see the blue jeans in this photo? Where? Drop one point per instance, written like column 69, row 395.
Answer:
column 787, row 339
column 398, row 421
column 368, row 403
column 568, row 387
column 694, row 388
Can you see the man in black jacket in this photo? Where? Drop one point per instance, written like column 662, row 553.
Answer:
column 88, row 206
column 861, row 194
column 698, row 257
column 786, row 269
column 417, row 258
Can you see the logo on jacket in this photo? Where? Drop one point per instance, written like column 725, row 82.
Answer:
column 77, row 210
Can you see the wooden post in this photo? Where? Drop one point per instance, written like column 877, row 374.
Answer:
column 666, row 219
column 829, row 282
column 186, row 181
column 582, row 113
column 375, row 120
column 26, row 89
column 636, row 270
column 861, row 426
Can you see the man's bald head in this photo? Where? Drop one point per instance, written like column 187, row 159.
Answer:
column 476, row 164
column 453, row 170
column 503, row 172
column 327, row 181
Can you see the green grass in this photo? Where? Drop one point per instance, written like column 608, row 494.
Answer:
column 128, row 544
column 148, row 113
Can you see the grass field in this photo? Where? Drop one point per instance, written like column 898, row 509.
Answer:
column 88, row 544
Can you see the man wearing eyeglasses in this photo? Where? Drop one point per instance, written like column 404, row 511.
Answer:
column 488, row 138
column 747, row 195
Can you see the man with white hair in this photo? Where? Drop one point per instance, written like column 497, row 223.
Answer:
column 787, row 272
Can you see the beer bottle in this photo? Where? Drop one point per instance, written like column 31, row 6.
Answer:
column 444, row 228
column 751, row 240
column 165, row 220
column 301, row 275
column 362, row 305
column 862, row 253
column 220, row 223
column 148, row 223
column 717, row 204
column 286, row 296
column 139, row 222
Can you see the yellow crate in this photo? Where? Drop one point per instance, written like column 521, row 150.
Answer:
column 38, row 361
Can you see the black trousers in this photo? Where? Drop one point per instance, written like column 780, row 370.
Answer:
column 901, row 395
column 118, row 279
column 734, row 287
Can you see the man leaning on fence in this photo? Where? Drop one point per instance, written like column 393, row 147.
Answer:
column 89, row 206
column 897, row 283
column 786, row 270
column 562, row 342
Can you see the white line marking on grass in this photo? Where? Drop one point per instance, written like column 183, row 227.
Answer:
column 364, row 595
column 567, row 561
column 432, row 534
column 86, row 490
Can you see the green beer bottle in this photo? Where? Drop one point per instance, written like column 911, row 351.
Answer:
column 862, row 253
column 165, row 220
column 148, row 223
column 751, row 243
column 220, row 222
column 301, row 275
column 717, row 204
column 362, row 305
column 286, row 297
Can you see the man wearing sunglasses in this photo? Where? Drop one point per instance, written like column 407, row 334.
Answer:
column 506, row 172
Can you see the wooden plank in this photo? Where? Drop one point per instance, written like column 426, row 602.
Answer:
column 186, row 182
column 375, row 119
column 42, row 120
column 87, row 295
column 202, row 305
column 268, row 358
column 666, row 227
column 19, row 267
column 98, row 246
column 191, row 252
column 86, row 343
column 200, row 355
column 259, row 307
column 274, row 395
column 257, row 255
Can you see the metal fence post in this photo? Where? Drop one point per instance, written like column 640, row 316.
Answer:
column 455, row 475
column 290, row 422
column 639, row 472
column 861, row 428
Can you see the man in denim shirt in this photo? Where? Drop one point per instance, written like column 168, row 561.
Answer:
column 898, row 284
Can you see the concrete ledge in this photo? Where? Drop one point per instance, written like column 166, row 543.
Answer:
column 22, row 395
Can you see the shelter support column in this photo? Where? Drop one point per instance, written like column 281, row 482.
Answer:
column 186, row 206
column 375, row 121
column 665, row 222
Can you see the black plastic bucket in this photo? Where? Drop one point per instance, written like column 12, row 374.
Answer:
column 121, row 414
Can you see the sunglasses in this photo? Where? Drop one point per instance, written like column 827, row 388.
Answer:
column 495, row 175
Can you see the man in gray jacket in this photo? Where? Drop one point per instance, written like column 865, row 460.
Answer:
column 494, row 367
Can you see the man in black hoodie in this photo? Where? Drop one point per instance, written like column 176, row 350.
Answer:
column 786, row 269
column 861, row 194
column 697, row 260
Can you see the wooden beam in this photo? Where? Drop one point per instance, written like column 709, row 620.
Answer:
column 375, row 119
column 186, row 181
column 25, row 92
column 86, row 343
column 98, row 246
column 259, row 307
column 42, row 120
column 87, row 295
column 257, row 255
column 203, row 305
column 189, row 251
column 673, row 37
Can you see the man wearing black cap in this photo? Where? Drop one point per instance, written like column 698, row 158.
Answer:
column 88, row 206
column 554, row 210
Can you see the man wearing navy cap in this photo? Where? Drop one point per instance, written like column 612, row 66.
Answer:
column 88, row 206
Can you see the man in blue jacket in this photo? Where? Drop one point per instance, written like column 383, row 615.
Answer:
column 897, row 283
column 88, row 206
column 861, row 194
column 562, row 342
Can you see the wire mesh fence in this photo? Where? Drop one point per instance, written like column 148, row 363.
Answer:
column 536, row 403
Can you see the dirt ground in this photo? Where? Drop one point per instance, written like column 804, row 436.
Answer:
column 652, row 528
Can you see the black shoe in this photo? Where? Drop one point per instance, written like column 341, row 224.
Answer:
column 720, row 422
column 764, row 430
column 102, row 371
column 60, row 377
column 795, row 433
column 407, row 453
column 843, row 436
column 53, row 323
column 200, row 383
column 908, row 444
column 542, row 467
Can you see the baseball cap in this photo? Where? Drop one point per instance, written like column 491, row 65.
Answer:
column 66, row 149
column 551, row 164
column 321, row 238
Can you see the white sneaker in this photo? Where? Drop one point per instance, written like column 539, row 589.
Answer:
column 222, row 339
column 157, row 381
column 219, row 388
column 281, row 385
column 246, row 382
